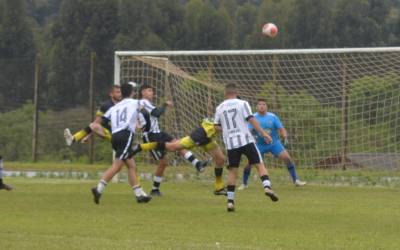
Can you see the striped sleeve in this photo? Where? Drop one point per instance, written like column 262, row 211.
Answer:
column 247, row 114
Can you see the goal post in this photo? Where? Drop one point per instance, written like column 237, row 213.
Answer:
column 341, row 107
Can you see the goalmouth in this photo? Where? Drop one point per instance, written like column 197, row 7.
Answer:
column 340, row 104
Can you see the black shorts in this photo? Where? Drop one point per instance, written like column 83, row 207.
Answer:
column 122, row 144
column 157, row 137
column 250, row 151
column 199, row 137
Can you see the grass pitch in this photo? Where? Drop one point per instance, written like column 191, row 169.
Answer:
column 60, row 214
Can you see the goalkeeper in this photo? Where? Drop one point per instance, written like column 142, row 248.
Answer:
column 204, row 137
column 273, row 126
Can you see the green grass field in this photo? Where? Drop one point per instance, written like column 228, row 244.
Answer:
column 60, row 214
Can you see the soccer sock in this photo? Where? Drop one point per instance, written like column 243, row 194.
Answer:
column 82, row 133
column 191, row 158
column 101, row 186
column 292, row 171
column 265, row 181
column 149, row 146
column 156, row 182
column 138, row 190
column 219, row 184
column 231, row 193
column 246, row 174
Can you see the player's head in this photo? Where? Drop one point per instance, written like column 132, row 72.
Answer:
column 146, row 92
column 262, row 106
column 127, row 90
column 115, row 93
column 231, row 91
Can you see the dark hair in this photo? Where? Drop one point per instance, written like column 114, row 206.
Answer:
column 126, row 90
column 230, row 88
column 143, row 87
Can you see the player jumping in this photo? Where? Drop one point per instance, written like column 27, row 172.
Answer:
column 204, row 137
column 98, row 126
column 151, row 132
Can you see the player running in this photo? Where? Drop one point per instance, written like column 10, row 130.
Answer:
column 98, row 126
column 271, row 124
column 151, row 132
column 233, row 116
column 2, row 184
column 204, row 137
column 123, row 117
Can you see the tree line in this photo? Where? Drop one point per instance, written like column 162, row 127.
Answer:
column 65, row 32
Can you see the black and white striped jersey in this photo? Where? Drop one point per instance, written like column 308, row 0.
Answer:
column 123, row 115
column 147, row 121
column 233, row 115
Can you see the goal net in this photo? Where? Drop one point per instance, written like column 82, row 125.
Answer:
column 341, row 107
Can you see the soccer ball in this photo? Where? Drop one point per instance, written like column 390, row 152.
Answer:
column 270, row 30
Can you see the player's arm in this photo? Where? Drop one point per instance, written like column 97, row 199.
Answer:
column 158, row 111
column 281, row 130
column 253, row 121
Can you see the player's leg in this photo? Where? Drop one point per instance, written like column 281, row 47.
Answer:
column 234, row 156
column 100, row 131
column 71, row 138
column 247, row 169
column 219, row 158
column 2, row 184
column 255, row 158
column 106, row 178
column 246, row 175
column 157, row 179
column 278, row 150
column 141, row 196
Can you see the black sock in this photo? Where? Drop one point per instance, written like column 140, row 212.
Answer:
column 218, row 171
column 88, row 130
column 264, row 177
column 1, row 181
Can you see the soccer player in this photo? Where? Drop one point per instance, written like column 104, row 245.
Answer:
column 271, row 123
column 98, row 126
column 123, row 117
column 204, row 137
column 148, row 119
column 2, row 184
column 233, row 116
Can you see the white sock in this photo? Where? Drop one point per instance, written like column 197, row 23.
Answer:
column 190, row 157
column 101, row 186
column 158, row 180
column 231, row 195
column 138, row 190
column 266, row 184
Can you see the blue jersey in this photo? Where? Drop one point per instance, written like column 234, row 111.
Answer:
column 270, row 123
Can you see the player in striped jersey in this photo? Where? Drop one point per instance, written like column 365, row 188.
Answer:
column 233, row 116
column 204, row 137
column 123, row 117
column 98, row 126
column 2, row 184
column 271, row 123
column 148, row 119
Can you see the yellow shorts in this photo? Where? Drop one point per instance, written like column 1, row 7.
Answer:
column 107, row 134
column 187, row 143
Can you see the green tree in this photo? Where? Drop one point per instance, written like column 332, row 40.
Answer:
column 17, row 53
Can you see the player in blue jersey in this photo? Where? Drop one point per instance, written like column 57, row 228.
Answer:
column 273, row 126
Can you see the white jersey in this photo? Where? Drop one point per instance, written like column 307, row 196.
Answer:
column 153, row 126
column 232, row 115
column 123, row 115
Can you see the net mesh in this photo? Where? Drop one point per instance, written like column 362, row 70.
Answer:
column 340, row 108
